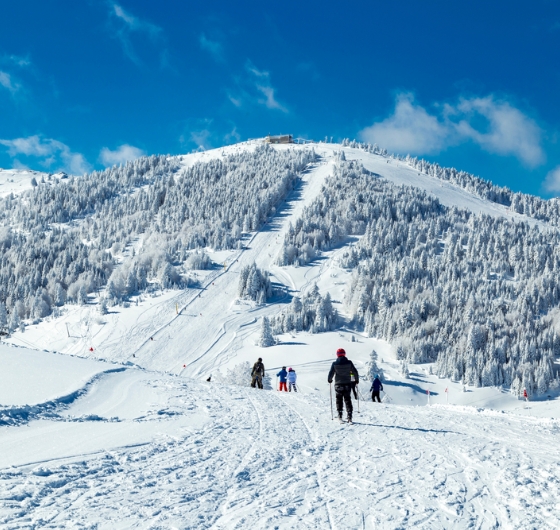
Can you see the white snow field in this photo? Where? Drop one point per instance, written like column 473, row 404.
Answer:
column 124, row 431
column 18, row 180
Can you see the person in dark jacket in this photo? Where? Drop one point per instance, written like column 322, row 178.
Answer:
column 257, row 374
column 376, row 387
column 283, row 374
column 342, row 371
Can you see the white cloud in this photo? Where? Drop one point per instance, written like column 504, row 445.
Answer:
column 551, row 183
column 122, row 154
column 52, row 153
column 496, row 126
column 201, row 139
column 255, row 71
column 410, row 129
column 233, row 136
column 254, row 87
column 22, row 62
column 270, row 102
column 215, row 48
column 128, row 24
column 7, row 82
column 509, row 131
column 236, row 101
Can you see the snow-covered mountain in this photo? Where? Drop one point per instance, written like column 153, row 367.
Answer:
column 443, row 274
column 162, row 272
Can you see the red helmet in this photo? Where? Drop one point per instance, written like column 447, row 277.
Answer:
column 340, row 352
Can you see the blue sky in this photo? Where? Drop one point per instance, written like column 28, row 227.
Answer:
column 87, row 84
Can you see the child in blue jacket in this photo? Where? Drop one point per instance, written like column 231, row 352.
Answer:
column 282, row 374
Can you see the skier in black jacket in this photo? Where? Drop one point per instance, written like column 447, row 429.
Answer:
column 342, row 371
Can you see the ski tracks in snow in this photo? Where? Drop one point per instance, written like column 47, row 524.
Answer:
column 264, row 459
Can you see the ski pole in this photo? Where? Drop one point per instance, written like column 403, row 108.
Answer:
column 361, row 395
column 332, row 413
column 358, row 401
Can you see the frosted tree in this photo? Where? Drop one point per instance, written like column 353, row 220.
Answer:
column 240, row 374
column 372, row 369
column 254, row 284
column 266, row 339
column 3, row 317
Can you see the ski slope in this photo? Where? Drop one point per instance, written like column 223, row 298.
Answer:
column 124, row 431
column 140, row 449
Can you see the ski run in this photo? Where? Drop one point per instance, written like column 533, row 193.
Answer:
column 109, row 422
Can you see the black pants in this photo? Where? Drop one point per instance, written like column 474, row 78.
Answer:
column 375, row 394
column 343, row 393
column 257, row 380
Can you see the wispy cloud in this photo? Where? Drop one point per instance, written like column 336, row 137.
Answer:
column 233, row 136
column 126, row 25
column 269, row 101
column 495, row 125
column 50, row 153
column 213, row 47
column 237, row 101
column 551, row 183
column 122, row 154
column 198, row 135
column 22, row 62
column 252, row 87
column 8, row 83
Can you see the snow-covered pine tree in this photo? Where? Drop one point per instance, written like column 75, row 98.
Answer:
column 266, row 339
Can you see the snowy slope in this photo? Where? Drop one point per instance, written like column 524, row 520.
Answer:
column 155, row 446
column 23, row 380
column 146, row 450
column 18, row 180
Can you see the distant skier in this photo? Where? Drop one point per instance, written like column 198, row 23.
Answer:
column 376, row 387
column 257, row 374
column 340, row 371
column 282, row 374
column 292, row 377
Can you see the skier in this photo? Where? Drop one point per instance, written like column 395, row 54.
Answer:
column 376, row 387
column 282, row 375
column 292, row 379
column 257, row 373
column 341, row 370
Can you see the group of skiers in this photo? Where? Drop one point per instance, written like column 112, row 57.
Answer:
column 343, row 372
column 289, row 377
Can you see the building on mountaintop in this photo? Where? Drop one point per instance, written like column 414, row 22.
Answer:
column 280, row 139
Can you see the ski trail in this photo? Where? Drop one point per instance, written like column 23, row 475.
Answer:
column 317, row 468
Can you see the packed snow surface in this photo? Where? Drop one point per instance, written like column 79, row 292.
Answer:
column 146, row 450
column 135, row 437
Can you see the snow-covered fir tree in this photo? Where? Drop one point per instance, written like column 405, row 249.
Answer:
column 254, row 284
column 266, row 339
column 312, row 312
